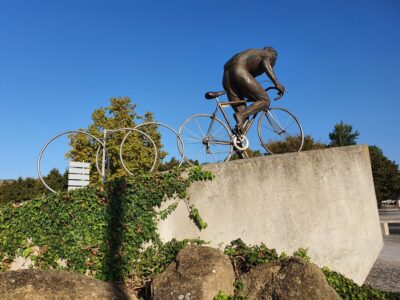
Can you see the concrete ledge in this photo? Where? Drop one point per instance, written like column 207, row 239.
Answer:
column 323, row 200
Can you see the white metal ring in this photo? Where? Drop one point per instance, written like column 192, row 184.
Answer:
column 49, row 142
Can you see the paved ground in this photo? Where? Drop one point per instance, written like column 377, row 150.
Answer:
column 385, row 273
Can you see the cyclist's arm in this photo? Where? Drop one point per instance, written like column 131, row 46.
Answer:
column 269, row 71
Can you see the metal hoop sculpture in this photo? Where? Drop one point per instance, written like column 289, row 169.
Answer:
column 122, row 162
column 181, row 147
column 49, row 142
column 124, row 129
column 122, row 144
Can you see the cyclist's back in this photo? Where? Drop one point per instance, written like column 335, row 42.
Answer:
column 250, row 60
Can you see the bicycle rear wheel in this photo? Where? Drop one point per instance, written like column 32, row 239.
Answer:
column 279, row 131
column 206, row 139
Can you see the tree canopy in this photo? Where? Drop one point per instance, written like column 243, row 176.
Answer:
column 386, row 175
column 23, row 189
column 343, row 135
column 138, row 151
column 292, row 143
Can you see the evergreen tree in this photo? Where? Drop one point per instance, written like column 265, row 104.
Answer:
column 343, row 135
column 23, row 189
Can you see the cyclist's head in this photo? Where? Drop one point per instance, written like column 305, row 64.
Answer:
column 273, row 53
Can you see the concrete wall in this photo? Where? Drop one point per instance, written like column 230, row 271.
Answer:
column 323, row 200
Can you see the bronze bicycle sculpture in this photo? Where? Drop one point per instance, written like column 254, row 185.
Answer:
column 208, row 139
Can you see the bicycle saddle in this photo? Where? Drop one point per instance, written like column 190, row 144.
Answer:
column 212, row 95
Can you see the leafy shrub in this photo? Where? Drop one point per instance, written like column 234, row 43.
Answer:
column 100, row 232
column 222, row 296
column 245, row 257
column 302, row 253
column 291, row 144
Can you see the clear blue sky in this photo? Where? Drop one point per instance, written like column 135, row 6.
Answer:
column 60, row 60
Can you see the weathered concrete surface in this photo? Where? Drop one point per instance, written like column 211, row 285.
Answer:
column 323, row 200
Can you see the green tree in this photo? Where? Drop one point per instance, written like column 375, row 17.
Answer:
column 386, row 175
column 19, row 190
column 173, row 163
column 343, row 135
column 56, row 180
column 24, row 189
column 291, row 145
column 138, row 151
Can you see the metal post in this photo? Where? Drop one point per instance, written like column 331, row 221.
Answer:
column 386, row 228
column 103, row 165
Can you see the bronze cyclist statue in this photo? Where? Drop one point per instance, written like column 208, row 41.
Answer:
column 239, row 81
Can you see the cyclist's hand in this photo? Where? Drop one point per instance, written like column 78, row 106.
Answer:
column 281, row 89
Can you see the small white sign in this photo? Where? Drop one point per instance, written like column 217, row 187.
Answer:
column 78, row 175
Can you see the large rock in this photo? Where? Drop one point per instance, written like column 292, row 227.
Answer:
column 292, row 279
column 52, row 284
column 198, row 273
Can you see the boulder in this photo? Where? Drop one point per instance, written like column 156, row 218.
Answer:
column 53, row 284
column 198, row 272
column 291, row 279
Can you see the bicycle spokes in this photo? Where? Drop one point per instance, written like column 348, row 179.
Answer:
column 279, row 131
column 206, row 139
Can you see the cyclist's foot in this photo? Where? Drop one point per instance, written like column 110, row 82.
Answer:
column 240, row 121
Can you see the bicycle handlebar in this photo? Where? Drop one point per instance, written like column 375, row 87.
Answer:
column 274, row 88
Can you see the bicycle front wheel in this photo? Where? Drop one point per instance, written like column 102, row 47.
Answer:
column 206, row 139
column 280, row 131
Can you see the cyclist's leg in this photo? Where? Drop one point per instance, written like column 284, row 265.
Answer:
column 253, row 91
column 232, row 91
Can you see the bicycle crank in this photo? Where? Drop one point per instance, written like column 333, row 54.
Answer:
column 241, row 143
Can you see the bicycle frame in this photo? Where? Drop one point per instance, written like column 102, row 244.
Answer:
column 209, row 131
column 220, row 106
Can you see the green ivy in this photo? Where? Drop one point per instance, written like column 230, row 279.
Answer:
column 348, row 289
column 106, row 232
column 302, row 253
column 195, row 216
column 222, row 296
column 198, row 174
column 245, row 257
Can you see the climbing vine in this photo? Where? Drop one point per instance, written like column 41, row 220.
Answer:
column 108, row 232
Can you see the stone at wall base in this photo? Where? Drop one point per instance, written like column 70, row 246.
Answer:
column 198, row 272
column 52, row 284
column 293, row 279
